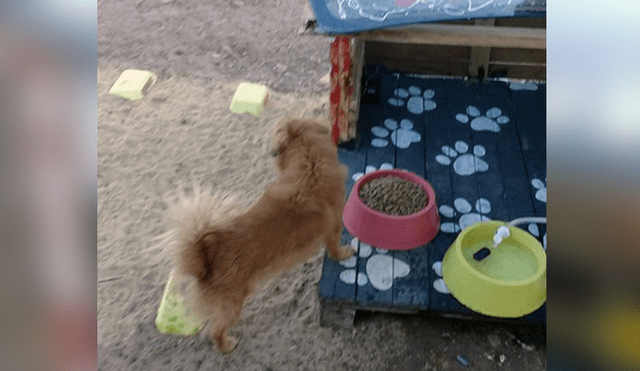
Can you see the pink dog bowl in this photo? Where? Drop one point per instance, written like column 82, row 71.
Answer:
column 391, row 232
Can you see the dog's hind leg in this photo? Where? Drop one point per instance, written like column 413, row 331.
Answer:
column 337, row 252
column 228, row 313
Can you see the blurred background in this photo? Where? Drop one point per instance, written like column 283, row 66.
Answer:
column 48, row 185
column 593, row 128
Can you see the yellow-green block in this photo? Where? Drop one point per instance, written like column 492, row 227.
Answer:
column 174, row 317
column 133, row 84
column 250, row 98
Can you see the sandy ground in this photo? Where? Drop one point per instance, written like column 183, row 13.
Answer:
column 182, row 132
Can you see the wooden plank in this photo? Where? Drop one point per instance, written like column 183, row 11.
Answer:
column 454, row 60
column 377, row 50
column 530, row 115
column 457, row 96
column 480, row 55
column 505, row 165
column 538, row 22
column 380, row 150
column 357, row 64
column 529, row 110
column 519, row 64
column 442, row 34
column 537, row 317
column 412, row 291
column 427, row 59
column 505, row 184
column 518, row 72
column 330, row 286
column 536, row 56
column 436, row 68
column 440, row 131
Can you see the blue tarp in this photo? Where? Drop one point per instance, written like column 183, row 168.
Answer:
column 335, row 17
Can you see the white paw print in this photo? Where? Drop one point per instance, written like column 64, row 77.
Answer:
column 489, row 122
column 381, row 268
column 462, row 206
column 541, row 194
column 439, row 284
column 369, row 168
column 465, row 164
column 532, row 86
column 401, row 135
column 533, row 229
column 418, row 102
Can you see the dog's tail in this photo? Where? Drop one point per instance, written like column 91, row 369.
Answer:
column 198, row 221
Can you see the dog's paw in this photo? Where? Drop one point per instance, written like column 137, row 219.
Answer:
column 345, row 252
column 228, row 345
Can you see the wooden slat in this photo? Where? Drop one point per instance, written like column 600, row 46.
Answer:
column 456, row 96
column 538, row 22
column 520, row 64
column 357, row 63
column 507, row 37
column 505, row 183
column 412, row 290
column 529, row 109
column 375, row 115
column 518, row 72
column 416, row 52
column 519, row 55
column 436, row 68
column 480, row 55
column 331, row 287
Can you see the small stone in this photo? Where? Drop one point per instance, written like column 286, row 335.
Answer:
column 494, row 341
column 281, row 68
column 529, row 348
column 463, row 361
column 325, row 81
column 502, row 358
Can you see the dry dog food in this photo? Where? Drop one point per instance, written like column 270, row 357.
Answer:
column 393, row 196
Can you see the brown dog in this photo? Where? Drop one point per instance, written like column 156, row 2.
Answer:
column 229, row 251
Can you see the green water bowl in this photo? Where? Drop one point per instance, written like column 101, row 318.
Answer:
column 508, row 281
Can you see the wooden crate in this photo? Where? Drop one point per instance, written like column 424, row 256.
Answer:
column 512, row 148
column 509, row 47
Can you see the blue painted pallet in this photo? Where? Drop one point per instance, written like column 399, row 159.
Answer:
column 335, row 17
column 482, row 146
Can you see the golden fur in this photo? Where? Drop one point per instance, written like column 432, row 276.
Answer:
column 229, row 251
